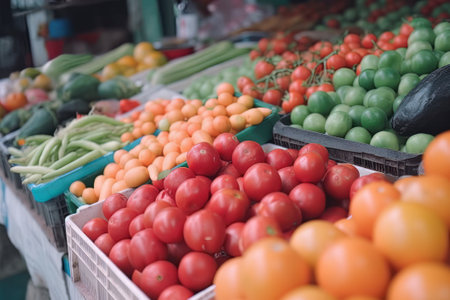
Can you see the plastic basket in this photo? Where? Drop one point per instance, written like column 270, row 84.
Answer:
column 386, row 161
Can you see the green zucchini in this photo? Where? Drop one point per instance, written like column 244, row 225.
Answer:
column 81, row 87
column 14, row 120
column 43, row 121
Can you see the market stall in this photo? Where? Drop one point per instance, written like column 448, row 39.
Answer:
column 308, row 159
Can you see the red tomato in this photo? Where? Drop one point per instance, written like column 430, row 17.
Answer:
column 243, row 81
column 280, row 207
column 95, row 228
column 176, row 251
column 119, row 256
column 159, row 184
column 119, row 223
column 288, row 179
column 136, row 225
column 301, row 72
column 262, row 44
column 229, row 169
column 351, row 38
column 146, row 248
column 310, row 199
column 105, row 243
column 338, row 180
column 272, row 96
column 279, row 46
column 152, row 210
column 309, row 167
column 224, row 181
column 312, row 147
column 175, row 178
column 176, row 292
column 164, row 196
column 156, row 277
column 331, row 163
column 142, row 197
column 225, row 143
column 257, row 228
column 196, row 270
column 232, row 236
column 192, row 195
column 333, row 214
column 326, row 87
column 230, row 204
column 251, row 90
column 168, row 225
column 386, row 36
column 203, row 159
column 283, row 82
column 406, row 29
column 311, row 90
column 293, row 153
column 254, row 54
column 260, row 180
column 294, row 100
column 263, row 68
column 246, row 155
column 343, row 49
column 204, row 231
column 297, row 86
column 400, row 41
column 112, row 204
column 352, row 58
column 336, row 62
column 279, row 158
column 326, row 50
column 363, row 180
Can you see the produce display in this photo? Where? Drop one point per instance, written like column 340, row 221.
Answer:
column 45, row 157
column 182, row 124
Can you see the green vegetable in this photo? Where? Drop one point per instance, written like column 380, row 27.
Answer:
column 81, row 87
column 201, row 60
column 43, row 121
column 70, row 109
column 64, row 63
column 117, row 88
column 14, row 120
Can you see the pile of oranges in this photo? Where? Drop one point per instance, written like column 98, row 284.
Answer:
column 183, row 124
column 394, row 246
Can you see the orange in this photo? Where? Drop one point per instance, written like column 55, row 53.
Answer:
column 235, row 109
column 369, row 202
column 98, row 183
column 132, row 163
column 201, row 136
column 119, row 186
column 153, row 171
column 89, row 196
column 421, row 281
column 270, row 268
column 436, row 156
column 135, row 151
column 224, row 87
column 148, row 128
column 171, row 147
column 402, row 184
column 352, row 266
column 408, row 233
column 156, row 148
column 127, row 137
column 124, row 159
column 189, row 110
column 348, row 226
column 265, row 111
column 193, row 127
column 175, row 104
column 227, row 281
column 136, row 176
column 222, row 124
column 14, row 101
column 362, row 298
column 158, row 162
column 196, row 102
column 208, row 126
column 433, row 192
column 127, row 61
column 195, row 119
column 135, row 115
column 308, row 292
column 163, row 137
column 186, row 144
column 77, row 188
column 312, row 238
column 137, row 133
column 237, row 122
column 246, row 100
column 169, row 160
column 174, row 115
column 148, row 139
column 225, row 98
column 141, row 50
column 181, row 158
column 253, row 116
column 120, row 174
column 211, row 103
column 219, row 110
column 154, row 108
column 146, row 116
column 146, row 157
column 111, row 170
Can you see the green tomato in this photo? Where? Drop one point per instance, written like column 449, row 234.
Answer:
column 421, row 77
column 340, row 107
column 373, row 119
column 416, row 144
column 407, row 83
column 320, row 102
column 351, row 14
column 335, row 97
column 406, row 67
column 441, row 27
column 387, row 91
column 374, row 6
column 366, row 79
column 445, row 59
column 442, row 41
column 355, row 113
column 401, row 51
column 296, row 126
column 416, row 47
column 385, row 139
column 422, row 34
column 315, row 122
column 358, row 134
column 390, row 59
column 369, row 62
column 387, row 77
column 356, row 81
column 338, row 124
column 424, row 62
column 343, row 76
column 383, row 23
column 299, row 114
column 342, row 91
column 438, row 54
column 206, row 89
column 418, row 6
column 381, row 101
column 421, row 22
column 164, row 125
column 354, row 96
column 397, row 102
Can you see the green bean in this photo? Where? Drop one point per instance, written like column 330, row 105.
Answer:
column 39, row 138
column 87, row 145
column 63, row 161
column 36, row 154
column 31, row 170
column 88, row 120
column 51, row 144
column 73, row 165
column 15, row 152
column 32, row 179
column 63, row 147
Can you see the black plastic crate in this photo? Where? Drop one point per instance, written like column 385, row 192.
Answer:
column 387, row 161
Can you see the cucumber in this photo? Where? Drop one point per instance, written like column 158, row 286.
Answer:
column 63, row 63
